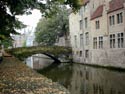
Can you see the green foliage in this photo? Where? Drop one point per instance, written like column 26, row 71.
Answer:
column 10, row 8
column 8, row 22
column 48, row 29
column 7, row 43
column 43, row 33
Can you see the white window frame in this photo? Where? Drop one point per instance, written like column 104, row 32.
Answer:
column 81, row 40
column 112, row 40
column 120, row 17
column 87, row 38
column 86, row 22
column 101, row 42
column 95, row 43
column 97, row 24
column 112, row 20
column 120, row 39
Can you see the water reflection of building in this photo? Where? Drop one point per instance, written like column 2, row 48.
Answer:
column 87, row 80
column 29, row 62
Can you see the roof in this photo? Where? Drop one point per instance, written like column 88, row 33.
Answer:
column 98, row 12
column 115, row 5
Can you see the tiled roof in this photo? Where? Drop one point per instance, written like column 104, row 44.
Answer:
column 97, row 13
column 115, row 5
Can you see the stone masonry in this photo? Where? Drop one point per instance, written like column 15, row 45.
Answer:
column 97, row 33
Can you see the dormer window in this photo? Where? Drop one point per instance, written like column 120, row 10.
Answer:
column 120, row 18
column 112, row 20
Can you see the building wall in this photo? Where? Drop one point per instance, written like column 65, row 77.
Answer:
column 74, row 35
column 108, row 56
column 29, row 40
column 105, row 56
column 19, row 40
column 63, row 41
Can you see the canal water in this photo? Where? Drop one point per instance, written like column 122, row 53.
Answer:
column 81, row 79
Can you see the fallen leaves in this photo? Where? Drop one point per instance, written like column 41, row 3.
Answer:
column 17, row 78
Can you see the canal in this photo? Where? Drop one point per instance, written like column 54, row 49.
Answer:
column 81, row 79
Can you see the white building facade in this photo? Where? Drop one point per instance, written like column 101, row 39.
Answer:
column 25, row 39
column 97, row 33
column 19, row 40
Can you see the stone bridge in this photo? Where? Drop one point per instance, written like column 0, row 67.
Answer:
column 53, row 52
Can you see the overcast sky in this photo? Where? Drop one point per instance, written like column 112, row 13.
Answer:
column 30, row 20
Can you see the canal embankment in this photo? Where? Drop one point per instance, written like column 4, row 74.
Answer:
column 17, row 78
column 110, row 67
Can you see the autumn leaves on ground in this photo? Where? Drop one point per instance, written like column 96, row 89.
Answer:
column 17, row 78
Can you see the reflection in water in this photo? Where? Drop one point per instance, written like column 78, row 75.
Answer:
column 38, row 61
column 80, row 79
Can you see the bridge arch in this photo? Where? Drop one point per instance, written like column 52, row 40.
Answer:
column 51, row 51
column 52, row 57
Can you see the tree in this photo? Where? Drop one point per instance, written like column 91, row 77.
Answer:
column 48, row 29
column 10, row 8
column 7, row 43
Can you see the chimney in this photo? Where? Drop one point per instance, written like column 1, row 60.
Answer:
column 106, row 5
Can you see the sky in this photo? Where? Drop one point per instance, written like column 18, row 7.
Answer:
column 30, row 20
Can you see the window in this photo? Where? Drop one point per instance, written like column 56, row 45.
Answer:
column 95, row 43
column 80, row 53
column 85, row 7
column 120, row 18
column 112, row 41
column 87, row 38
column 97, row 24
column 81, row 40
column 120, row 40
column 75, row 39
column 86, row 53
column 93, row 6
column 112, row 20
column 81, row 24
column 81, row 11
column 100, row 42
column 86, row 23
